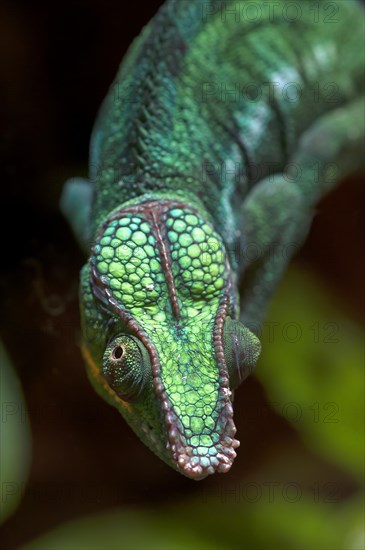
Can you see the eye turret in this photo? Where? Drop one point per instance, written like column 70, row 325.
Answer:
column 241, row 351
column 126, row 366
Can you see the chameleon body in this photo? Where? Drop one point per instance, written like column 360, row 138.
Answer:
column 220, row 132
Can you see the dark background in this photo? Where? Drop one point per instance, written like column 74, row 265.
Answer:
column 56, row 67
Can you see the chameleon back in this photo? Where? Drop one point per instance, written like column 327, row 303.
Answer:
column 211, row 84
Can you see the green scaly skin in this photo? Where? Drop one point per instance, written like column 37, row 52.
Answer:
column 165, row 330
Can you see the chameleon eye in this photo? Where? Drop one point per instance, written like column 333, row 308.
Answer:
column 241, row 351
column 125, row 366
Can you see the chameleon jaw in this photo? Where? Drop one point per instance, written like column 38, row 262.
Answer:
column 199, row 466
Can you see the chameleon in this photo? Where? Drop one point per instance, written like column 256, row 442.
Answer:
column 226, row 124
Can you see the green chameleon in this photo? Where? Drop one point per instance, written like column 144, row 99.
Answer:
column 226, row 124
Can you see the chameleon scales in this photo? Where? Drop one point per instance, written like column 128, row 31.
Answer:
column 166, row 305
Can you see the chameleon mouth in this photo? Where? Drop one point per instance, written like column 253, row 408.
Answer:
column 199, row 462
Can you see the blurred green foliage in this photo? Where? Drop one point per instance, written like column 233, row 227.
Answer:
column 15, row 440
column 200, row 526
column 312, row 367
column 312, row 371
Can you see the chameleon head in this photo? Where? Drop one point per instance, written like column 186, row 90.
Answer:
column 160, row 335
